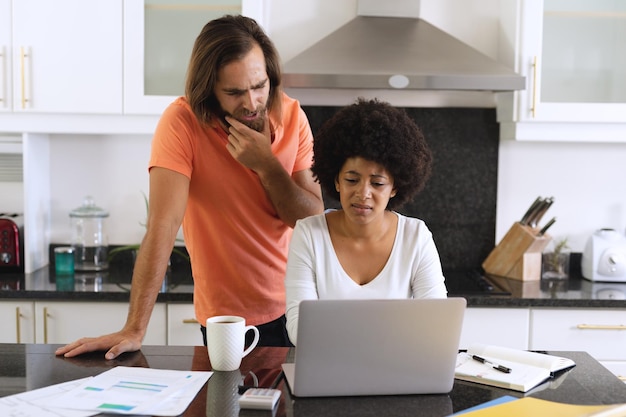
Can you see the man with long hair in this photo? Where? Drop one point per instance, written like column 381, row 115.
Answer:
column 230, row 161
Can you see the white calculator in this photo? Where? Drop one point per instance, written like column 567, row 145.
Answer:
column 259, row 398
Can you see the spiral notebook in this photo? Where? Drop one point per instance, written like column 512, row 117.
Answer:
column 376, row 347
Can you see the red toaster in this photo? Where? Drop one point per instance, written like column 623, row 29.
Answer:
column 11, row 242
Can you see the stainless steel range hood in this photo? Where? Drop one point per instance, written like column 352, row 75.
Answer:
column 371, row 52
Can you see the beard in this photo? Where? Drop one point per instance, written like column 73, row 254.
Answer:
column 258, row 123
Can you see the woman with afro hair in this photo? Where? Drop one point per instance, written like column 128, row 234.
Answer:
column 372, row 158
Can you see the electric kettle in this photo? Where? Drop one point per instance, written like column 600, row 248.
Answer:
column 604, row 257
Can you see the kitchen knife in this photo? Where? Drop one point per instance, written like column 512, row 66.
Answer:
column 536, row 218
column 531, row 210
column 545, row 228
column 531, row 221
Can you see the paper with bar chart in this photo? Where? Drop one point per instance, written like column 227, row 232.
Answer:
column 133, row 390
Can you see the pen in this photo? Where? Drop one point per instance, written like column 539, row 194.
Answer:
column 495, row 366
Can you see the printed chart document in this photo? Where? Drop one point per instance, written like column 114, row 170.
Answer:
column 530, row 406
column 132, row 390
column 21, row 405
column 503, row 367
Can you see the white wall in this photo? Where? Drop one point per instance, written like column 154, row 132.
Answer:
column 587, row 180
column 113, row 169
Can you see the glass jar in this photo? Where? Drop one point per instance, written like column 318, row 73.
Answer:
column 89, row 236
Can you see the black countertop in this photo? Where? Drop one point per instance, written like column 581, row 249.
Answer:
column 28, row 367
column 114, row 285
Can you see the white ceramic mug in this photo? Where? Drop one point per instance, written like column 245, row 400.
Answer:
column 225, row 337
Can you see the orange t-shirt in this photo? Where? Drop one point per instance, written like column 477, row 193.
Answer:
column 237, row 243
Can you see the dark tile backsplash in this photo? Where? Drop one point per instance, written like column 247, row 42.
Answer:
column 459, row 201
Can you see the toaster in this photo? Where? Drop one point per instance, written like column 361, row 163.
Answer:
column 604, row 257
column 11, row 242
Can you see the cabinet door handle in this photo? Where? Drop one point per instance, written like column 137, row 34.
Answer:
column 45, row 325
column 602, row 326
column 533, row 108
column 18, row 330
column 190, row 321
column 23, row 56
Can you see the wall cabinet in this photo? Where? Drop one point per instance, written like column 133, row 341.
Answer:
column 18, row 322
column 64, row 57
column 573, row 57
column 5, row 58
column 182, row 327
column 102, row 66
column 158, row 39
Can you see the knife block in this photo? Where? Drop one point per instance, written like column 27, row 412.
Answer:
column 518, row 255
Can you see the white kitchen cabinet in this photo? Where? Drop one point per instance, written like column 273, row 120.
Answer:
column 65, row 56
column 18, row 322
column 573, row 56
column 182, row 327
column 617, row 368
column 158, row 39
column 496, row 326
column 66, row 321
column 599, row 332
column 5, row 58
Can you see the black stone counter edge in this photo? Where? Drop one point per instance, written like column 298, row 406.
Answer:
column 182, row 297
column 472, row 301
column 512, row 302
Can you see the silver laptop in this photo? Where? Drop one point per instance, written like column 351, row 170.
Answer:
column 376, row 347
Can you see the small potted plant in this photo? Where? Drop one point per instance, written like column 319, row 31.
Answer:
column 555, row 264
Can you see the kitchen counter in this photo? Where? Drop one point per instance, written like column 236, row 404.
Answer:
column 28, row 367
column 114, row 285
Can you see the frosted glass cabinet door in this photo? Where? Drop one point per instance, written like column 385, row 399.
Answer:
column 574, row 57
column 158, row 39
column 67, row 56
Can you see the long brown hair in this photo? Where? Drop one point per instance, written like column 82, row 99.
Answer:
column 222, row 41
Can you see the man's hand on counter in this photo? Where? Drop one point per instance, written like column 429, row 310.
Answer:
column 114, row 343
column 126, row 359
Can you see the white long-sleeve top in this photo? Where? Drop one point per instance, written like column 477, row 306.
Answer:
column 413, row 269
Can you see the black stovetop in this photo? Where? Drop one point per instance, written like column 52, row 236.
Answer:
column 471, row 282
